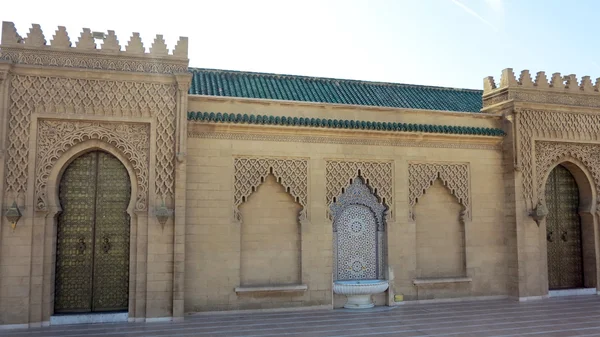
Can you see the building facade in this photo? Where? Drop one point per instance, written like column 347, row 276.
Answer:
column 132, row 183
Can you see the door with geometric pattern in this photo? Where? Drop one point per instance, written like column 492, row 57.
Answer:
column 563, row 231
column 92, row 246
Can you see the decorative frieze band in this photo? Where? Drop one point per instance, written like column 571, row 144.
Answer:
column 344, row 140
column 33, row 50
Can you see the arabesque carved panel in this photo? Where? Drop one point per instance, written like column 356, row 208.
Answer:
column 37, row 94
column 376, row 174
column 57, row 136
column 455, row 176
column 250, row 172
column 535, row 124
column 550, row 154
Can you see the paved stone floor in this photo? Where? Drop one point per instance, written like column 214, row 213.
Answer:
column 567, row 316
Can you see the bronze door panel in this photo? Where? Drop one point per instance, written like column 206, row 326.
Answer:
column 92, row 249
column 563, row 231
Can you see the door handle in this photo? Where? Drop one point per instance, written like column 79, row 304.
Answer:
column 106, row 244
column 564, row 236
column 549, row 236
column 81, row 245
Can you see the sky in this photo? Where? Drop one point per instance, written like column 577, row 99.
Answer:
column 452, row 43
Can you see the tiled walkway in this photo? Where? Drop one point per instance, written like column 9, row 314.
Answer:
column 567, row 316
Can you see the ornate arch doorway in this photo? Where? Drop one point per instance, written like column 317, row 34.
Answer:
column 92, row 246
column 563, row 231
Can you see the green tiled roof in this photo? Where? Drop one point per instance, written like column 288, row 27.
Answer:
column 327, row 90
column 339, row 124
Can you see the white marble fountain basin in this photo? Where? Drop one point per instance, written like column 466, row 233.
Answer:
column 359, row 292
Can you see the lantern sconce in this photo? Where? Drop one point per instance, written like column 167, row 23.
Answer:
column 162, row 213
column 539, row 213
column 13, row 214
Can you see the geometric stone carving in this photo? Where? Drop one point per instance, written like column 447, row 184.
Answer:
column 54, row 95
column 536, row 124
column 549, row 154
column 250, row 172
column 376, row 174
column 358, row 224
column 358, row 194
column 455, row 176
column 56, row 136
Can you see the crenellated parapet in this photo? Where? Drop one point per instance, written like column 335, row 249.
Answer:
column 554, row 89
column 60, row 51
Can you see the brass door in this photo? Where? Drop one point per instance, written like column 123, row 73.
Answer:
column 92, row 246
column 563, row 231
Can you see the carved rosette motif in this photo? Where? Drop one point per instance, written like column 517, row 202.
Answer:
column 36, row 94
column 56, row 137
column 549, row 154
column 533, row 125
column 250, row 172
column 455, row 176
column 376, row 174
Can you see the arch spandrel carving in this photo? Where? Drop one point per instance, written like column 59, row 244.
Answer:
column 57, row 95
column 549, row 154
column 376, row 174
column 250, row 172
column 539, row 124
column 455, row 176
column 55, row 137
column 359, row 194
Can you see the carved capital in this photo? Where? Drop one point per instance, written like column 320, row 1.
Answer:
column 183, row 81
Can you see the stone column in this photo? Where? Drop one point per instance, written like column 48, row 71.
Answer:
column 183, row 84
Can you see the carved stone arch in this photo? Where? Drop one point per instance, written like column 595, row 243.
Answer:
column 455, row 176
column 250, row 172
column 56, row 137
column 377, row 175
column 358, row 193
column 579, row 160
column 69, row 155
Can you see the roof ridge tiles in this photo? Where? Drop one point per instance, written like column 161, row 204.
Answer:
column 330, row 79
column 216, row 82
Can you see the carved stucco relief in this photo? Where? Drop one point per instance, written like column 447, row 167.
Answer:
column 55, row 137
column 376, row 174
column 250, row 172
column 37, row 94
column 455, row 176
column 534, row 124
column 549, row 154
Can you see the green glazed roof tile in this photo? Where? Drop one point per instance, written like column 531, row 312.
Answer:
column 230, row 83
column 211, row 117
